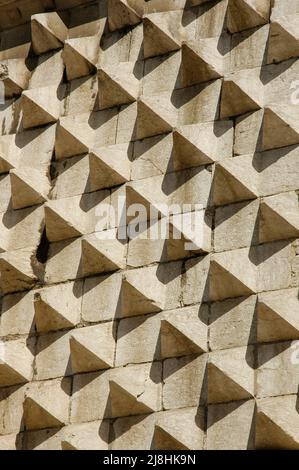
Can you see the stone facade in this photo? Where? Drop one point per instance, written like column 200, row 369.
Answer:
column 112, row 342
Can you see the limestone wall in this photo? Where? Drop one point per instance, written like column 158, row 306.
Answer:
column 112, row 338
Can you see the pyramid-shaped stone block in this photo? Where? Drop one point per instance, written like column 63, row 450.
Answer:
column 277, row 423
column 117, row 84
column 102, row 252
column 247, row 14
column 57, row 307
column 234, row 180
column 283, row 38
column 40, row 410
column 141, row 292
column 277, row 316
column 124, row 13
column 92, row 348
column 29, row 187
column 40, row 106
column 279, row 127
column 64, row 219
column 80, row 56
column 9, row 153
column 109, row 166
column 201, row 62
column 15, row 76
column 16, row 361
column 228, row 276
column 279, row 217
column 230, row 377
column 162, row 33
column 48, row 32
column 242, row 92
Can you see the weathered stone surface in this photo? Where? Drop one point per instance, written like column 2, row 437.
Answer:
column 149, row 250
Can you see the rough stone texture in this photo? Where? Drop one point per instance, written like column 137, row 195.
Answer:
column 139, row 343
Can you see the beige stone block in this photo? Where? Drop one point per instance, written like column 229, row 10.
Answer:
column 239, row 221
column 135, row 389
column 171, row 238
column 19, row 270
column 122, row 13
column 274, row 268
column 95, row 253
column 40, row 106
column 133, row 432
column 80, row 56
column 152, row 156
column 238, row 418
column 126, row 129
column 278, row 369
column 10, row 116
column 279, row 171
column 247, row 14
column 85, row 436
column 44, row 439
column 233, row 274
column 279, row 217
column 52, row 356
column 63, row 261
column 167, row 334
column 71, row 177
column 76, row 216
column 47, row 31
column 77, row 134
column 101, row 298
column 195, row 280
column 89, row 388
column 200, row 103
column 33, row 142
column 49, row 64
column 204, row 60
column 277, row 315
column 160, row 431
column 231, row 374
column 110, row 166
column 235, row 179
column 29, row 187
column 156, row 114
column 14, row 233
column 155, row 69
column 248, row 133
column 199, row 144
column 82, row 96
column 58, row 307
column 233, row 323
column 102, row 252
column 5, row 192
column 17, row 314
column 119, row 392
column 11, row 409
column 163, row 33
column 40, row 410
column 283, row 38
column 92, row 348
column 115, row 47
column 243, row 91
column 15, row 76
column 10, row 442
column 277, row 423
column 118, row 84
column 249, row 48
column 16, row 361
column 184, row 382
